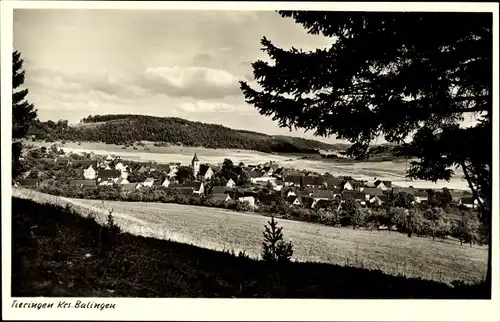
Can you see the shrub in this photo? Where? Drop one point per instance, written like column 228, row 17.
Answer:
column 358, row 217
column 467, row 229
column 397, row 217
column 300, row 213
column 274, row 248
column 242, row 206
column 329, row 217
column 415, row 222
column 109, row 234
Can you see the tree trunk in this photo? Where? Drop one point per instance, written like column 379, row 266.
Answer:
column 490, row 242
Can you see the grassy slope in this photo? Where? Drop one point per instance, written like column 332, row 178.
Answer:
column 220, row 229
column 50, row 244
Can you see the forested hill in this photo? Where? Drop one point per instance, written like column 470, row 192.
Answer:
column 127, row 129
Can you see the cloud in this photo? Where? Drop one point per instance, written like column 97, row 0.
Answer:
column 65, row 83
column 202, row 60
column 189, row 81
column 206, row 107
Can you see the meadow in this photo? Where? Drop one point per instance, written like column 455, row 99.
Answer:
column 220, row 229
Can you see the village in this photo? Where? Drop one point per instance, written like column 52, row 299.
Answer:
column 263, row 182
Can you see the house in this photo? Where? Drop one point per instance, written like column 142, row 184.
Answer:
column 129, row 187
column 267, row 198
column 292, row 173
column 308, row 202
column 28, row 182
column 165, row 183
column 268, row 171
column 371, row 192
column 322, row 195
column 106, row 182
column 468, row 202
column 336, row 192
column 421, row 196
column 249, row 199
column 367, row 184
column 122, row 181
column 278, row 172
column 256, row 176
column 230, row 183
column 89, row 173
column 294, row 200
column 321, row 204
column 332, row 182
column 276, row 185
column 148, row 182
column 383, row 184
column 379, row 200
column 456, row 195
column 174, row 166
column 347, row 185
column 84, row 163
column 220, row 197
column 310, row 181
column 113, row 175
column 287, row 192
column 83, row 183
column 279, row 185
column 110, row 158
column 293, row 180
column 303, row 193
column 359, row 196
column 196, row 186
column 119, row 166
column 205, row 172
column 398, row 190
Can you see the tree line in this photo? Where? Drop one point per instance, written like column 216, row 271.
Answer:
column 126, row 129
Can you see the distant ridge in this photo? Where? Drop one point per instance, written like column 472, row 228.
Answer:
column 125, row 129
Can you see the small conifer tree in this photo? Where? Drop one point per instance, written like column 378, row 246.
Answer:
column 274, row 248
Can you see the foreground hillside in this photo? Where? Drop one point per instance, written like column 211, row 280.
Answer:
column 56, row 252
column 220, row 229
column 127, row 129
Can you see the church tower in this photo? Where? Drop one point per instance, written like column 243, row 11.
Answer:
column 195, row 163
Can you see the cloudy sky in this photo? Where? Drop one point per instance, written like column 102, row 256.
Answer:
column 165, row 63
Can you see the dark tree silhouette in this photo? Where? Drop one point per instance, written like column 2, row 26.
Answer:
column 403, row 200
column 23, row 113
column 184, row 174
column 392, row 75
column 274, row 248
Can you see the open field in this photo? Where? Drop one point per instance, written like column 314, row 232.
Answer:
column 219, row 229
column 56, row 252
column 385, row 170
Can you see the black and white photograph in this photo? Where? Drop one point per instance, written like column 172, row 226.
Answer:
column 250, row 154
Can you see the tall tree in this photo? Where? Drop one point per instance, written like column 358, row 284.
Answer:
column 395, row 75
column 23, row 112
column 184, row 174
